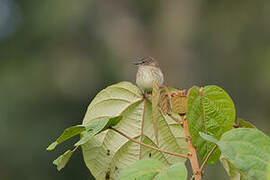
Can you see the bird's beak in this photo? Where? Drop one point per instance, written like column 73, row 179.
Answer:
column 137, row 63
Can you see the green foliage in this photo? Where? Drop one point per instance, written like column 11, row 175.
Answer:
column 268, row 171
column 62, row 160
column 96, row 127
column 89, row 130
column 209, row 110
column 68, row 133
column 208, row 138
column 109, row 152
column 248, row 150
column 244, row 124
column 232, row 172
column 148, row 169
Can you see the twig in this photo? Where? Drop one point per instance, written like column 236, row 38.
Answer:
column 75, row 149
column 149, row 146
column 208, row 156
column 142, row 127
column 176, row 119
column 192, row 153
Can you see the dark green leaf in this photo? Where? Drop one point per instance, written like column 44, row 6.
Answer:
column 68, row 133
column 244, row 124
column 113, row 122
column 209, row 110
column 149, row 169
column 62, row 160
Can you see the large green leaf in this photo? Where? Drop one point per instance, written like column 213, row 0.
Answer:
column 248, row 150
column 232, row 172
column 209, row 110
column 109, row 152
column 148, row 169
column 175, row 171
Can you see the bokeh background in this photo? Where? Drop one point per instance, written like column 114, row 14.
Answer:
column 56, row 55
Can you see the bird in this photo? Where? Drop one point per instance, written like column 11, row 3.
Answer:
column 148, row 72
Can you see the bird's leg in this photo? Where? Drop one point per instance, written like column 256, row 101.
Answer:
column 146, row 95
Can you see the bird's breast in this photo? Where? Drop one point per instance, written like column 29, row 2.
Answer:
column 146, row 75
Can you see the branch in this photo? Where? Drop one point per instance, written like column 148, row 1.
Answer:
column 206, row 159
column 176, row 119
column 149, row 146
column 192, row 153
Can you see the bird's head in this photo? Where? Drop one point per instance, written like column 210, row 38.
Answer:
column 147, row 61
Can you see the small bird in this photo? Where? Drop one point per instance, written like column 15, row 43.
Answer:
column 148, row 72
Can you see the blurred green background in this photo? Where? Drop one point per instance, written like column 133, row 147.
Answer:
column 55, row 55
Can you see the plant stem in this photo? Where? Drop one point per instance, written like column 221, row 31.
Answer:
column 76, row 147
column 149, row 146
column 176, row 119
column 192, row 153
column 142, row 127
column 206, row 159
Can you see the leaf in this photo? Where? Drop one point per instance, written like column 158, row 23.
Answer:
column 155, row 108
column 146, row 168
column 52, row 146
column 232, row 172
column 149, row 169
column 68, row 133
column 164, row 101
column 244, row 124
column 208, row 138
column 62, row 160
column 107, row 153
column 209, row 110
column 248, row 150
column 268, row 171
column 97, row 127
column 176, row 171
column 179, row 102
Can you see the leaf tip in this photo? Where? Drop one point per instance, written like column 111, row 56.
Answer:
column 52, row 146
